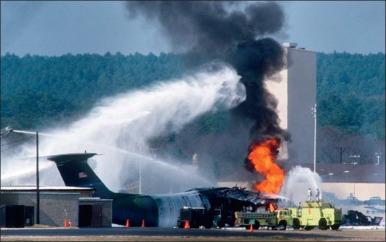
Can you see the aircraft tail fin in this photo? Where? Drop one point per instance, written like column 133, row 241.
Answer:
column 75, row 171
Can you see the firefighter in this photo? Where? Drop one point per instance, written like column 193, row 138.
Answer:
column 309, row 193
column 317, row 194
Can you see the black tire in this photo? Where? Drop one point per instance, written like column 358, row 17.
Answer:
column 308, row 228
column 179, row 224
column 208, row 226
column 296, row 223
column 282, row 225
column 256, row 226
column 335, row 226
column 221, row 224
column 323, row 224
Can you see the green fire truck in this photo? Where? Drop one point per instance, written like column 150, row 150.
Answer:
column 278, row 219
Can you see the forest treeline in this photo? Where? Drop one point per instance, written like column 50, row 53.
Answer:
column 351, row 93
column 40, row 91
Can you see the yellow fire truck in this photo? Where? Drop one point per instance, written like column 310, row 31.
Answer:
column 307, row 216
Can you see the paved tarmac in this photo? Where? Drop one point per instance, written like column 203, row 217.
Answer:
column 170, row 234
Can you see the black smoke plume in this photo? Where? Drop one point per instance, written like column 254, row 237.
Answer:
column 232, row 32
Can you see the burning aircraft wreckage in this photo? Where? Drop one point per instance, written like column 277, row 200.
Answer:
column 190, row 26
column 164, row 210
column 159, row 210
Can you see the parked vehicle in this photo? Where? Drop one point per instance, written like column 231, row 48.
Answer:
column 198, row 216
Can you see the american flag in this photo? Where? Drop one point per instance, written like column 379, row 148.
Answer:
column 82, row 174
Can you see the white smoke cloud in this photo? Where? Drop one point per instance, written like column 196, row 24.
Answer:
column 119, row 128
column 297, row 182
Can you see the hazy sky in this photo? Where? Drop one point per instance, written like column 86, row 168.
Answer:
column 55, row 28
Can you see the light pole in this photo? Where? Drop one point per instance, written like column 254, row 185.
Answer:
column 139, row 149
column 314, row 111
column 37, row 180
column 378, row 155
column 140, row 178
column 36, row 133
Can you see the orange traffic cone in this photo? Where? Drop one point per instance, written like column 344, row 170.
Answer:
column 250, row 228
column 66, row 223
column 143, row 223
column 186, row 225
column 127, row 224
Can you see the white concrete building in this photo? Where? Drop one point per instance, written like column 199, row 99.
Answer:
column 295, row 90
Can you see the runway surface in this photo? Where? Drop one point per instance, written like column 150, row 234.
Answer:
column 166, row 234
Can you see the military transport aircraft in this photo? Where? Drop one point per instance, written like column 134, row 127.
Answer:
column 157, row 210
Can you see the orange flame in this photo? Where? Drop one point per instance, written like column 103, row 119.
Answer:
column 271, row 208
column 262, row 157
